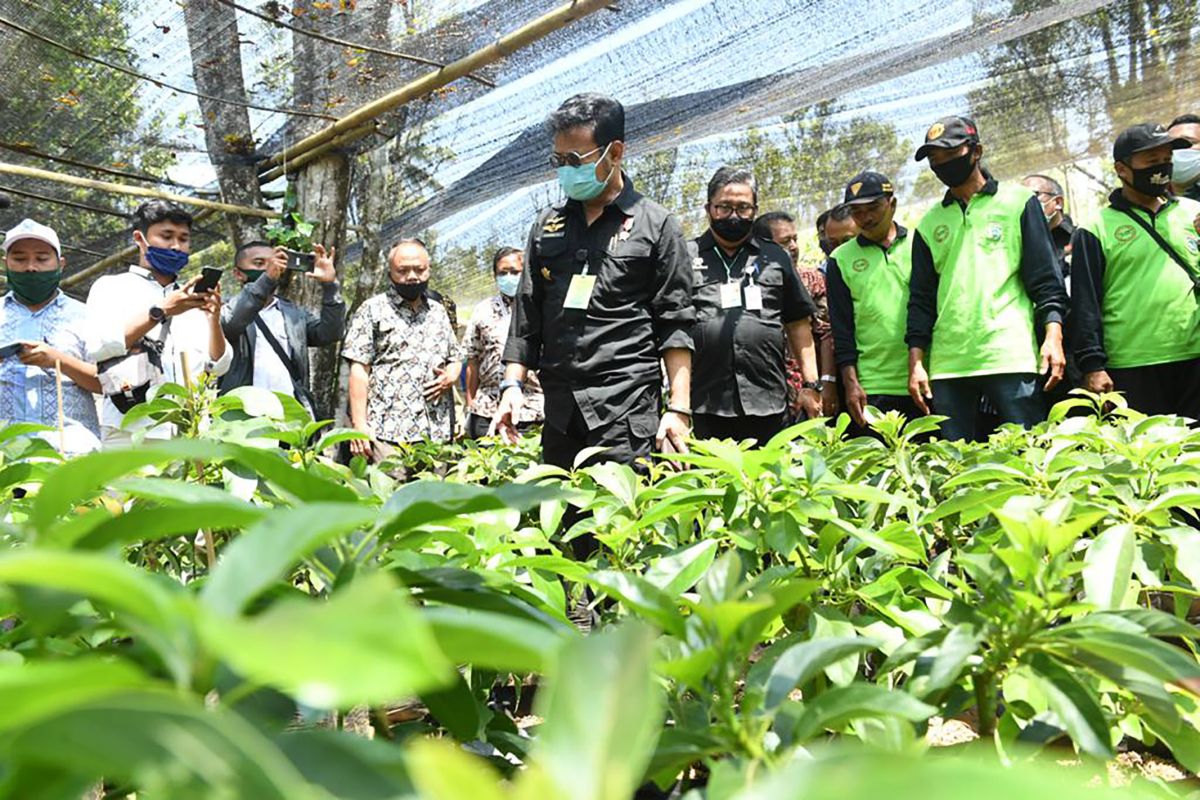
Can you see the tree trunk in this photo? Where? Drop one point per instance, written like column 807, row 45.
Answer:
column 217, row 69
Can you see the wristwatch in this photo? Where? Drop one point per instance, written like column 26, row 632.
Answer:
column 157, row 314
column 814, row 385
column 511, row 383
column 828, row 379
column 681, row 411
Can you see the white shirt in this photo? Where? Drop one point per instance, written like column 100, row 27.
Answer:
column 117, row 300
column 269, row 372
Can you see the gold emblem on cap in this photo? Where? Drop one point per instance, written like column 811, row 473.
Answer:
column 855, row 188
column 885, row 187
column 935, row 132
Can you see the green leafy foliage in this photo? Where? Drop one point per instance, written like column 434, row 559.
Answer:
column 180, row 616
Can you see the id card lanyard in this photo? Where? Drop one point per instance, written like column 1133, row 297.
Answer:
column 579, row 292
column 731, row 291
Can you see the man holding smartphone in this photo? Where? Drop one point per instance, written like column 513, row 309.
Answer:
column 148, row 305
column 43, row 330
column 271, row 336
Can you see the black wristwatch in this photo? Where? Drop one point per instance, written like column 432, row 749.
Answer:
column 511, row 383
column 816, row 386
column 157, row 314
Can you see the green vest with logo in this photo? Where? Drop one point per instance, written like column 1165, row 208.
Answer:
column 878, row 284
column 985, row 318
column 1149, row 311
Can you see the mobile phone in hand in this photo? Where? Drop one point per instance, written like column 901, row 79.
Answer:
column 11, row 349
column 209, row 278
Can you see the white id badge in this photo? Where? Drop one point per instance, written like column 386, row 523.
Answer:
column 731, row 295
column 579, row 293
column 753, row 297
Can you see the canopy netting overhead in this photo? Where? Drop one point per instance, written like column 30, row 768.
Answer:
column 806, row 92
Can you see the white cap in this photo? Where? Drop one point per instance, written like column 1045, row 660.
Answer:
column 28, row 229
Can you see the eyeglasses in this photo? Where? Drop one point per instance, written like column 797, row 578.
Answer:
column 743, row 210
column 1046, row 194
column 570, row 159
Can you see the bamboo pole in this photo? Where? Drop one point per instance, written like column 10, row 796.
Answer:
column 210, row 548
column 361, row 117
column 119, row 257
column 62, row 427
column 137, row 191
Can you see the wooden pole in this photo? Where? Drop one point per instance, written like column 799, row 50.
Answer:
column 62, row 428
column 137, row 191
column 210, row 548
column 363, row 116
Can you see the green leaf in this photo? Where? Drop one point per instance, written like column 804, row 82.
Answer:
column 424, row 502
column 1076, row 706
column 442, row 771
column 348, row 767
column 141, row 602
column 603, row 711
column 1108, row 566
column 165, row 745
column 641, row 597
column 835, row 708
column 269, row 550
column 364, row 645
column 945, row 665
column 37, row 690
column 802, row 662
column 679, row 571
column 496, row 641
column 81, row 478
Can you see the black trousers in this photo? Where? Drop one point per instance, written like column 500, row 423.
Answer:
column 759, row 428
column 1162, row 388
column 477, row 426
column 628, row 438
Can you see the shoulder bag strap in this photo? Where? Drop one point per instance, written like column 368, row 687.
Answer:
column 1157, row 237
column 291, row 367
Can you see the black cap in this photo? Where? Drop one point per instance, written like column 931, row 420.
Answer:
column 947, row 133
column 865, row 187
column 1145, row 136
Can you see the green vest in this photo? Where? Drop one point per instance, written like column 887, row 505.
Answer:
column 1149, row 311
column 878, row 284
column 984, row 315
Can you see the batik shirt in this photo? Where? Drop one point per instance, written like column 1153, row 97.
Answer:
column 484, row 342
column 29, row 394
column 403, row 347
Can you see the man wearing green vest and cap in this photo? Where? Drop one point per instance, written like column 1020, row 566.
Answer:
column 986, row 287
column 868, row 301
column 1135, row 313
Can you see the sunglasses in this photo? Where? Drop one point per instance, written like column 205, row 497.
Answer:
column 572, row 159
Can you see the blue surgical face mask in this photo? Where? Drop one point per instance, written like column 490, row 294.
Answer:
column 508, row 284
column 1185, row 167
column 168, row 262
column 580, row 183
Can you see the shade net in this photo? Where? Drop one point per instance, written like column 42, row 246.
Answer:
column 804, row 93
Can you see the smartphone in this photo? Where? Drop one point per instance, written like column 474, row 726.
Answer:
column 301, row 262
column 209, row 278
column 10, row 350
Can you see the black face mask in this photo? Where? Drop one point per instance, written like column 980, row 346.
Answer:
column 410, row 291
column 732, row 228
column 1154, row 181
column 955, row 171
column 826, row 246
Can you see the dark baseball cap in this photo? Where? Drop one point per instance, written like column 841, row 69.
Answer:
column 866, row 187
column 1145, row 136
column 948, row 132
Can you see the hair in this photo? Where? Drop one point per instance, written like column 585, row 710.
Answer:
column 839, row 213
column 1054, row 185
column 603, row 115
column 729, row 175
column 501, row 254
column 1185, row 119
column 241, row 251
column 406, row 240
column 153, row 212
column 762, row 225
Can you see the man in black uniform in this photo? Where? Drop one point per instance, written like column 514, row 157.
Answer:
column 748, row 298
column 606, row 293
column 1049, row 193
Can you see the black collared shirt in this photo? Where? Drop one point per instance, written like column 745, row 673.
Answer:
column 1060, row 235
column 738, row 366
column 604, row 358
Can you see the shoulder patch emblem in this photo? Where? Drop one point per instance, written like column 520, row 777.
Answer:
column 1124, row 233
column 554, row 226
column 941, row 233
column 859, row 264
